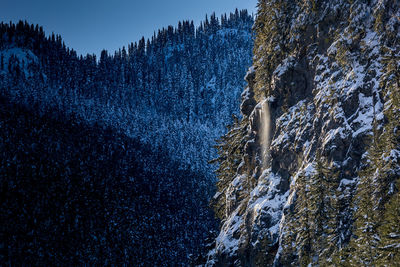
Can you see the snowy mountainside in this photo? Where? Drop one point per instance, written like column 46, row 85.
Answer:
column 140, row 125
column 329, row 172
column 176, row 90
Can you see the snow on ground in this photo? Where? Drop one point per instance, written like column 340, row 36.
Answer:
column 25, row 58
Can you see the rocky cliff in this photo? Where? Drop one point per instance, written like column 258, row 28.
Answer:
column 310, row 173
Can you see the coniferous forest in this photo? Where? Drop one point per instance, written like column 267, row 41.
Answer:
column 266, row 140
column 104, row 160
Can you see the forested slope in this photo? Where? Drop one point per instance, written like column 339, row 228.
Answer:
column 76, row 194
column 103, row 161
column 176, row 90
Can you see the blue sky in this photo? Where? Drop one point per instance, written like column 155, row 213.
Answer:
column 88, row 26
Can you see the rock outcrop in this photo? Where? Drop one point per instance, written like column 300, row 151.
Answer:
column 320, row 65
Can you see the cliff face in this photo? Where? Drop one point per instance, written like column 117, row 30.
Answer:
column 319, row 129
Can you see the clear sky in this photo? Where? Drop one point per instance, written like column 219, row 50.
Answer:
column 88, row 26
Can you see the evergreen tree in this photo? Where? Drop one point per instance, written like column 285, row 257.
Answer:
column 270, row 44
column 324, row 210
column 230, row 149
column 303, row 221
column 389, row 231
column 362, row 249
column 297, row 237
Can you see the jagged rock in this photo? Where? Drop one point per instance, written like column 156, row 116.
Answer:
column 291, row 82
column 248, row 101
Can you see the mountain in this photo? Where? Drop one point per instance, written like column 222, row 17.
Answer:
column 104, row 160
column 176, row 90
column 310, row 175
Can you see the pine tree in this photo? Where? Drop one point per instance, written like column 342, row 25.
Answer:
column 304, row 237
column 2, row 62
column 362, row 248
column 270, row 44
column 296, row 236
column 297, row 239
column 230, row 148
column 324, row 210
column 389, row 231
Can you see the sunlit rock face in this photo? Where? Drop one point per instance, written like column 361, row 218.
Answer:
column 313, row 96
